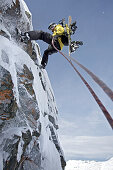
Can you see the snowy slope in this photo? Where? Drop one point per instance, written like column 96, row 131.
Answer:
column 89, row 165
column 28, row 111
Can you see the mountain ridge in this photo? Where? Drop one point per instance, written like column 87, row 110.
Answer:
column 28, row 111
column 89, row 165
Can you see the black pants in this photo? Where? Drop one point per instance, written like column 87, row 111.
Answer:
column 46, row 37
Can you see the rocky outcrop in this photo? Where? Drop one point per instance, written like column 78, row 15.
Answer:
column 28, row 112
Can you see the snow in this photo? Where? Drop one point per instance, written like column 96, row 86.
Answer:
column 24, row 11
column 13, row 58
column 48, row 148
column 20, row 150
column 18, row 57
column 89, row 165
column 4, row 29
column 25, row 7
column 6, row 4
column 1, row 161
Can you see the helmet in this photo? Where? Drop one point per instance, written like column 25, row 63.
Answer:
column 51, row 26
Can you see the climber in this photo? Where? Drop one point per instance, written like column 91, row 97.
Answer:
column 60, row 35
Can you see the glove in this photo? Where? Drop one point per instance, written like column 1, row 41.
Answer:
column 79, row 42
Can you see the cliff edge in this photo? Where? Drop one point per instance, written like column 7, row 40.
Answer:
column 28, row 111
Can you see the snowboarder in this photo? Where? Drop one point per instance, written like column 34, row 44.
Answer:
column 60, row 35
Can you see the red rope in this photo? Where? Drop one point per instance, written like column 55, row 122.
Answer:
column 105, row 88
column 102, row 107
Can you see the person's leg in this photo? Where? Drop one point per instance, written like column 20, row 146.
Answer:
column 40, row 35
column 47, row 52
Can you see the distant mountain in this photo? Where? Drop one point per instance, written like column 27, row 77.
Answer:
column 89, row 165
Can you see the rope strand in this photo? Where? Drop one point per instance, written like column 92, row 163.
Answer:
column 102, row 107
column 105, row 88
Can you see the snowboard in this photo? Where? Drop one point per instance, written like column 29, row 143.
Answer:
column 69, row 35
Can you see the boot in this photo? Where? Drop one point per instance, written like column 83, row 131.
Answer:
column 79, row 42
column 73, row 46
column 25, row 37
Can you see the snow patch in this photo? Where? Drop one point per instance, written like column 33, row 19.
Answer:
column 14, row 59
column 1, row 160
column 18, row 56
column 89, row 165
column 5, row 4
column 20, row 150
column 25, row 7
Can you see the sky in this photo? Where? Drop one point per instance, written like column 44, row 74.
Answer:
column 83, row 130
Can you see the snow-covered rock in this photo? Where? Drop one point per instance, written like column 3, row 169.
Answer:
column 28, row 111
column 89, row 165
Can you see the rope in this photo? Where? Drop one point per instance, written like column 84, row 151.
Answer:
column 102, row 107
column 105, row 88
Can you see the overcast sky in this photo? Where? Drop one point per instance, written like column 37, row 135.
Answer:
column 84, row 131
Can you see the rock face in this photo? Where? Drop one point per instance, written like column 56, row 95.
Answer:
column 28, row 112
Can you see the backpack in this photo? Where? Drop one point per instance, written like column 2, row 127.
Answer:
column 68, row 30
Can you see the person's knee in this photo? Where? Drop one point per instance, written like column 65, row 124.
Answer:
column 41, row 32
column 35, row 35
